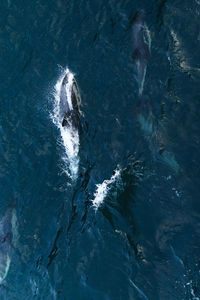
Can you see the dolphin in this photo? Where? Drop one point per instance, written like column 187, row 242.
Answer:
column 151, row 128
column 155, row 136
column 141, row 43
column 69, row 102
column 8, row 236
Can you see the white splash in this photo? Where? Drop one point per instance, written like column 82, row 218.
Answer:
column 69, row 136
column 103, row 188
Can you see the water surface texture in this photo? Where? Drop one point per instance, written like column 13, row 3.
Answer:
column 126, row 225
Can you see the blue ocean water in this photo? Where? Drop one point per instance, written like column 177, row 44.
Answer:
column 127, row 225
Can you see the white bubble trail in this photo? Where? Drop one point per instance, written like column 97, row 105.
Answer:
column 103, row 188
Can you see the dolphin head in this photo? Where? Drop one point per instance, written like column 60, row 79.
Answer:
column 138, row 18
column 140, row 15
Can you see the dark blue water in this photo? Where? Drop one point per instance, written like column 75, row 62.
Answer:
column 142, row 242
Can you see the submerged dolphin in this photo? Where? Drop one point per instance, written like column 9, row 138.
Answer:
column 69, row 102
column 155, row 135
column 141, row 48
column 8, row 236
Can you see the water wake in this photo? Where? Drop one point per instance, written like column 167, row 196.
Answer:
column 138, row 289
column 69, row 136
column 103, row 188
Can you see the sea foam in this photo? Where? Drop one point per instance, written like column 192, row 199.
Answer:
column 103, row 189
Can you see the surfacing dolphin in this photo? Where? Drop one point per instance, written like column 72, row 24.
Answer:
column 141, row 43
column 8, row 236
column 69, row 102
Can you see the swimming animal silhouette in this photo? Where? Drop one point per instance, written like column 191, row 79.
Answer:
column 69, row 103
column 141, row 43
column 8, row 236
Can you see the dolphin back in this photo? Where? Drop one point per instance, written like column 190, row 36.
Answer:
column 6, row 228
column 69, row 103
column 64, row 106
